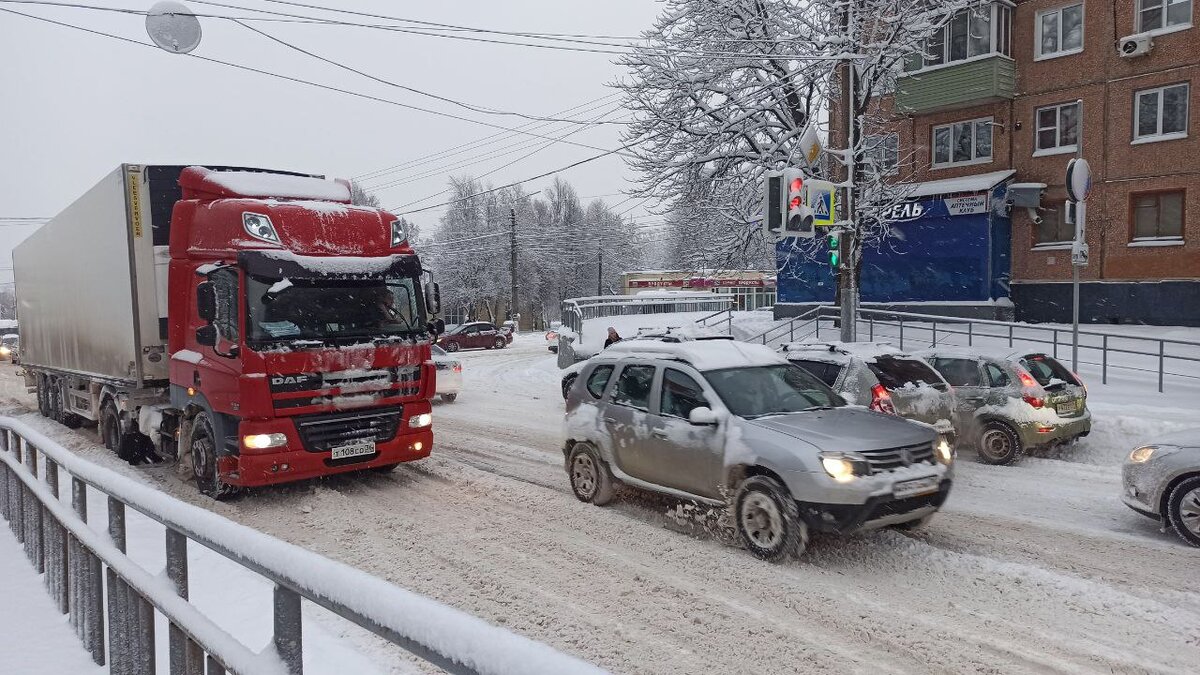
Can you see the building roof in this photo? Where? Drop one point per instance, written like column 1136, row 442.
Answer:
column 976, row 183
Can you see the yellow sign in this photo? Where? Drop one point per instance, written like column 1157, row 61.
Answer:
column 135, row 202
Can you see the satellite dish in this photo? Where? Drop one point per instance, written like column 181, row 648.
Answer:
column 173, row 27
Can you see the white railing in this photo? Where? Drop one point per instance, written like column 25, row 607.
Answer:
column 90, row 577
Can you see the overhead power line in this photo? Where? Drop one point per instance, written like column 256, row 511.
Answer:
column 289, row 78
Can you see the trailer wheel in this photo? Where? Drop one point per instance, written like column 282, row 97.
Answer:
column 110, row 427
column 58, row 409
column 43, row 396
column 204, row 459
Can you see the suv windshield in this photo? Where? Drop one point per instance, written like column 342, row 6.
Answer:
column 769, row 390
column 282, row 310
column 1045, row 370
column 894, row 373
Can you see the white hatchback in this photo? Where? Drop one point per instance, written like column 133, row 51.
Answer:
column 449, row 374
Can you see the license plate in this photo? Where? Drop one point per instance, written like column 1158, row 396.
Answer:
column 1068, row 408
column 357, row 449
column 914, row 488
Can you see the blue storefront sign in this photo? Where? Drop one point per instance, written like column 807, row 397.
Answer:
column 942, row 248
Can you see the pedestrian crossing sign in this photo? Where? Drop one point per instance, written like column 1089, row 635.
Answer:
column 822, row 202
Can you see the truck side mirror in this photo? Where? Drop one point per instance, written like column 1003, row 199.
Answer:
column 206, row 301
column 433, row 298
column 437, row 327
column 207, row 335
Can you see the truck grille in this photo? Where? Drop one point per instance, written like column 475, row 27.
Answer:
column 895, row 458
column 399, row 381
column 320, row 433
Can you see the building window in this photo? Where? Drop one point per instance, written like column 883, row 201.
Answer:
column 1054, row 228
column 1057, row 129
column 1060, row 31
column 883, row 154
column 1157, row 216
column 1161, row 113
column 962, row 143
column 1163, row 14
column 970, row 33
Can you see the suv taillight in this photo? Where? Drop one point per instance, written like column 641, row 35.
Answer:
column 881, row 400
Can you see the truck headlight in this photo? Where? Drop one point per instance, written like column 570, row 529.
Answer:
column 945, row 453
column 420, row 421
column 5, row 351
column 264, row 441
column 844, row 467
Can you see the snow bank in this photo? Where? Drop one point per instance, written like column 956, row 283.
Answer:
column 447, row 631
column 255, row 184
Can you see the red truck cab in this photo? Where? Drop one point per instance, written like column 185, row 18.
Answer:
column 298, row 332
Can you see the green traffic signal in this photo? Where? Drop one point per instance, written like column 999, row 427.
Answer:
column 834, row 249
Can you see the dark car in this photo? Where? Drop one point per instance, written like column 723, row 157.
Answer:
column 475, row 335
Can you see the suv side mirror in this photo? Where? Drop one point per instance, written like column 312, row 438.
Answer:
column 206, row 301
column 207, row 335
column 433, row 298
column 703, row 417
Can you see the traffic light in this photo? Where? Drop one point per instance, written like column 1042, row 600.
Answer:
column 835, row 244
column 773, row 209
column 799, row 216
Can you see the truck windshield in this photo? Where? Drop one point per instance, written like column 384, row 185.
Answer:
column 771, row 390
column 284, row 310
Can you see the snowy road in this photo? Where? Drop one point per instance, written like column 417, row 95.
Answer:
column 1032, row 568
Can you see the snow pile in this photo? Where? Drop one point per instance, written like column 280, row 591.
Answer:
column 336, row 264
column 187, row 356
column 279, row 186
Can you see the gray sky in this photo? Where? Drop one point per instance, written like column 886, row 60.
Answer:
column 76, row 105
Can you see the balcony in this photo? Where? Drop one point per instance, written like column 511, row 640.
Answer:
column 958, row 85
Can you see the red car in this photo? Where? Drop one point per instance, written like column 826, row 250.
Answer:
column 475, row 335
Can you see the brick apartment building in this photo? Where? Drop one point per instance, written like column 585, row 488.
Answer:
column 1003, row 97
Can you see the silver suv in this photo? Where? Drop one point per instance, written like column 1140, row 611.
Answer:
column 1162, row 481
column 729, row 423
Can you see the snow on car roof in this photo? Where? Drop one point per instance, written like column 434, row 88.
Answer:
column 1000, row 354
column 840, row 352
column 701, row 354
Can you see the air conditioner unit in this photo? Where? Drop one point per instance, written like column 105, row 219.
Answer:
column 1135, row 45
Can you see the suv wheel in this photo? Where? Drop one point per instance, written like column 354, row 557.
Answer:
column 999, row 444
column 768, row 521
column 1183, row 510
column 591, row 481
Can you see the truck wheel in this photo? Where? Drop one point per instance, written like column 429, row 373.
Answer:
column 204, row 460
column 591, row 480
column 1183, row 510
column 999, row 444
column 110, row 427
column 768, row 520
column 43, row 396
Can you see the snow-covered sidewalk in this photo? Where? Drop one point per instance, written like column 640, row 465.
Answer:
column 34, row 637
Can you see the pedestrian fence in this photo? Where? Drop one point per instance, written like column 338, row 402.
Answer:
column 112, row 601
column 1111, row 353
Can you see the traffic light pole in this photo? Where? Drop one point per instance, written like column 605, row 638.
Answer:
column 848, row 293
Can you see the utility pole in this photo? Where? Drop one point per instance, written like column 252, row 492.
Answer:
column 512, row 265
column 847, row 292
column 600, row 267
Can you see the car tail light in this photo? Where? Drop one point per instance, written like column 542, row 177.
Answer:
column 1027, row 379
column 457, row 367
column 551, row 335
column 881, row 400
column 1034, row 401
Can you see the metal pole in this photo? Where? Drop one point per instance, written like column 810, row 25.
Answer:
column 512, row 245
column 1080, row 236
column 1104, row 361
column 1162, row 348
column 846, row 246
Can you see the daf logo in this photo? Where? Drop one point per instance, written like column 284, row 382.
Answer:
column 289, row 379
column 906, row 456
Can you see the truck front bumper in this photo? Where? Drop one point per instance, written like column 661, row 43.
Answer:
column 289, row 465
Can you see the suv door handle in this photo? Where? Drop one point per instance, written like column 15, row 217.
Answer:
column 659, row 433
column 610, row 420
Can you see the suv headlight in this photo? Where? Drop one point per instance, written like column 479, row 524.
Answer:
column 944, row 451
column 1146, row 452
column 844, row 467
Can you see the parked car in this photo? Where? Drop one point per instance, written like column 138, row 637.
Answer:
column 1162, row 481
column 449, row 374
column 882, row 378
column 552, row 336
column 474, row 335
column 10, row 347
column 1012, row 402
column 729, row 423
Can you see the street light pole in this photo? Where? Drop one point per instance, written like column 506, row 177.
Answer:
column 512, row 266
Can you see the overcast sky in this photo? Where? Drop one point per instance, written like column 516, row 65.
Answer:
column 74, row 105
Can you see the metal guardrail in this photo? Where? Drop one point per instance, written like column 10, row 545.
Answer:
column 90, row 578
column 932, row 330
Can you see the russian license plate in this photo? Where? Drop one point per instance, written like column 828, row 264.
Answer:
column 914, row 488
column 1068, row 408
column 356, row 449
